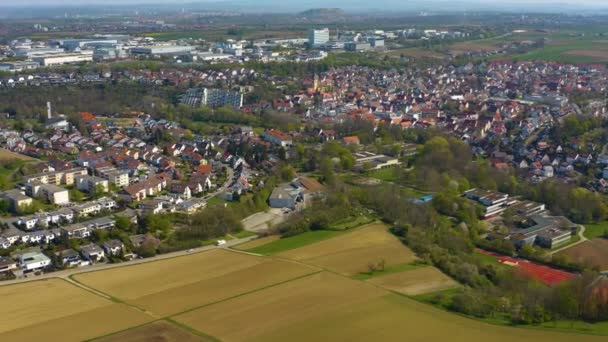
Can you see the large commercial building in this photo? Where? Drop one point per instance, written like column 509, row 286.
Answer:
column 318, row 37
column 214, row 98
column 356, row 46
column 64, row 58
column 18, row 66
column 161, row 50
column 37, row 52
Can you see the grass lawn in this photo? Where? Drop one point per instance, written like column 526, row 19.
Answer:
column 389, row 270
column 596, row 230
column 351, row 222
column 216, row 201
column 243, row 234
column 429, row 298
column 487, row 259
column 387, row 175
column 600, row 328
column 293, row 242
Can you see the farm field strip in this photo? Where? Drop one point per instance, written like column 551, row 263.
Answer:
column 415, row 282
column 326, row 306
column 593, row 252
column 352, row 252
column 215, row 276
column 256, row 243
column 53, row 307
column 155, row 331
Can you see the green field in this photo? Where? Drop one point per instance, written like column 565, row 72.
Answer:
column 390, row 270
column 386, row 175
column 293, row 242
column 351, row 222
column 596, row 230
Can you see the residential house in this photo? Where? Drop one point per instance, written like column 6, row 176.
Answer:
column 351, row 140
column 190, row 207
column 77, row 230
column 16, row 199
column 113, row 247
column 278, row 138
column 92, row 252
column 7, row 264
column 49, row 192
column 92, row 184
column 181, row 190
column 33, row 261
column 69, row 257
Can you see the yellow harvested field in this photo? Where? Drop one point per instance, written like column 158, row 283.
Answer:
column 351, row 253
column 159, row 331
column 171, row 286
column 415, row 282
column 41, row 309
column 257, row 242
column 327, row 307
column 278, row 306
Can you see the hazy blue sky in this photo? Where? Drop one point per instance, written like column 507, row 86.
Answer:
column 328, row 2
column 289, row 5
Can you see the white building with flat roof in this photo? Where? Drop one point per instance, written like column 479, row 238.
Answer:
column 64, row 58
column 317, row 38
column 161, row 49
column 33, row 261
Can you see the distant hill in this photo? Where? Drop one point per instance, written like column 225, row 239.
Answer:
column 323, row 13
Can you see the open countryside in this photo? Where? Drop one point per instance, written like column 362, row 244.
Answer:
column 175, row 285
column 57, row 308
column 415, row 282
column 242, row 170
column 156, row 331
column 593, row 252
column 199, row 297
column 327, row 307
column 351, row 253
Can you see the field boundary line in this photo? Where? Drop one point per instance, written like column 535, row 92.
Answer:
column 112, row 298
column 121, row 331
column 243, row 294
column 192, row 330
column 231, row 249
column 87, row 288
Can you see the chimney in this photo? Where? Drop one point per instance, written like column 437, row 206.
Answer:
column 48, row 110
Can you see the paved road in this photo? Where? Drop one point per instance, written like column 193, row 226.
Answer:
column 581, row 234
column 224, row 187
column 65, row 274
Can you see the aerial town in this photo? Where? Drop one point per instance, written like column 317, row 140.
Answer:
column 349, row 160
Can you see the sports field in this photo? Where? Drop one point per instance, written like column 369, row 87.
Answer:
column 174, row 285
column 56, row 309
column 352, row 252
column 415, row 282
